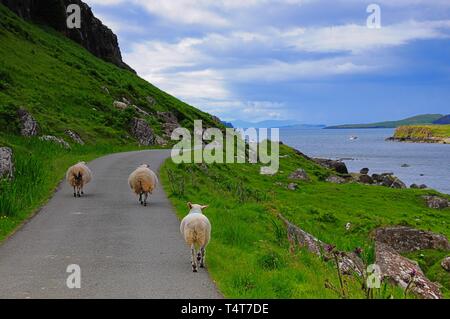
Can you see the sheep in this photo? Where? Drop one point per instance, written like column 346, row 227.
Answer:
column 143, row 181
column 196, row 230
column 78, row 176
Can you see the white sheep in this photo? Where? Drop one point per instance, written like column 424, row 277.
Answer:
column 143, row 181
column 196, row 230
column 78, row 176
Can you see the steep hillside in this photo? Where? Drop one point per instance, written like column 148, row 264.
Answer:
column 419, row 119
column 65, row 87
column 93, row 35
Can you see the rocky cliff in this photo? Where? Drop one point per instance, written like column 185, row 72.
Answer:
column 93, row 35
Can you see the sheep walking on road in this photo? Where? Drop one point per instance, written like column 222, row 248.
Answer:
column 196, row 230
column 143, row 182
column 78, row 176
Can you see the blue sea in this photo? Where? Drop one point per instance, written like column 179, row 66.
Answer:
column 428, row 163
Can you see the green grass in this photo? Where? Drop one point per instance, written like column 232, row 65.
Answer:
column 422, row 132
column 249, row 256
column 420, row 119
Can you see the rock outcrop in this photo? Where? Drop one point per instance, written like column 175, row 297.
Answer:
column 446, row 264
column 75, row 137
column 337, row 166
column 93, row 35
column 436, row 202
column 120, row 105
column 142, row 131
column 406, row 239
column 336, row 179
column 404, row 272
column 54, row 139
column 388, row 180
column 349, row 263
column 6, row 163
column 299, row 174
column 170, row 122
column 28, row 125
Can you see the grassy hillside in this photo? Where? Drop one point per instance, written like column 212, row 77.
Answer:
column 63, row 86
column 424, row 133
column 420, row 119
column 249, row 254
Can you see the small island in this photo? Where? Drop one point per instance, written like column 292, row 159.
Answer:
column 422, row 134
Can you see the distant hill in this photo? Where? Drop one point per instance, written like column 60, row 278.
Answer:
column 419, row 119
column 443, row 120
column 274, row 124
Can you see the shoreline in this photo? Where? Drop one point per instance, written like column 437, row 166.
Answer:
column 433, row 140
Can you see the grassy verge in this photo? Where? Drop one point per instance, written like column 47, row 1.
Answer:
column 40, row 166
column 249, row 256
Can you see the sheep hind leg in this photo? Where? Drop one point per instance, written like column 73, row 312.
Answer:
column 74, row 191
column 145, row 199
column 193, row 259
column 140, row 199
column 78, row 192
column 202, row 254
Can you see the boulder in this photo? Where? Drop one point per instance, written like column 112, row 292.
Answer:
column 364, row 171
column 423, row 186
column 398, row 184
column 446, row 264
column 406, row 239
column 75, row 137
column 336, row 179
column 292, row 186
column 6, row 163
column 377, row 178
column 365, row 179
column 337, row 166
column 142, row 131
column 28, row 125
column 401, row 271
column 120, row 105
column 299, row 174
column 436, row 202
column 406, row 165
column 54, row 139
column 414, row 186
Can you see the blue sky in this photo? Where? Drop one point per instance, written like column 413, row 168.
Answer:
column 313, row 61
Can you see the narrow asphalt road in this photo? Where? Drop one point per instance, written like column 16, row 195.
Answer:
column 124, row 250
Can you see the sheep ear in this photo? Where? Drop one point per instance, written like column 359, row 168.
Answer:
column 190, row 205
column 205, row 207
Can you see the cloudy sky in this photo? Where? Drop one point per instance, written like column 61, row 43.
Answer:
column 313, row 61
